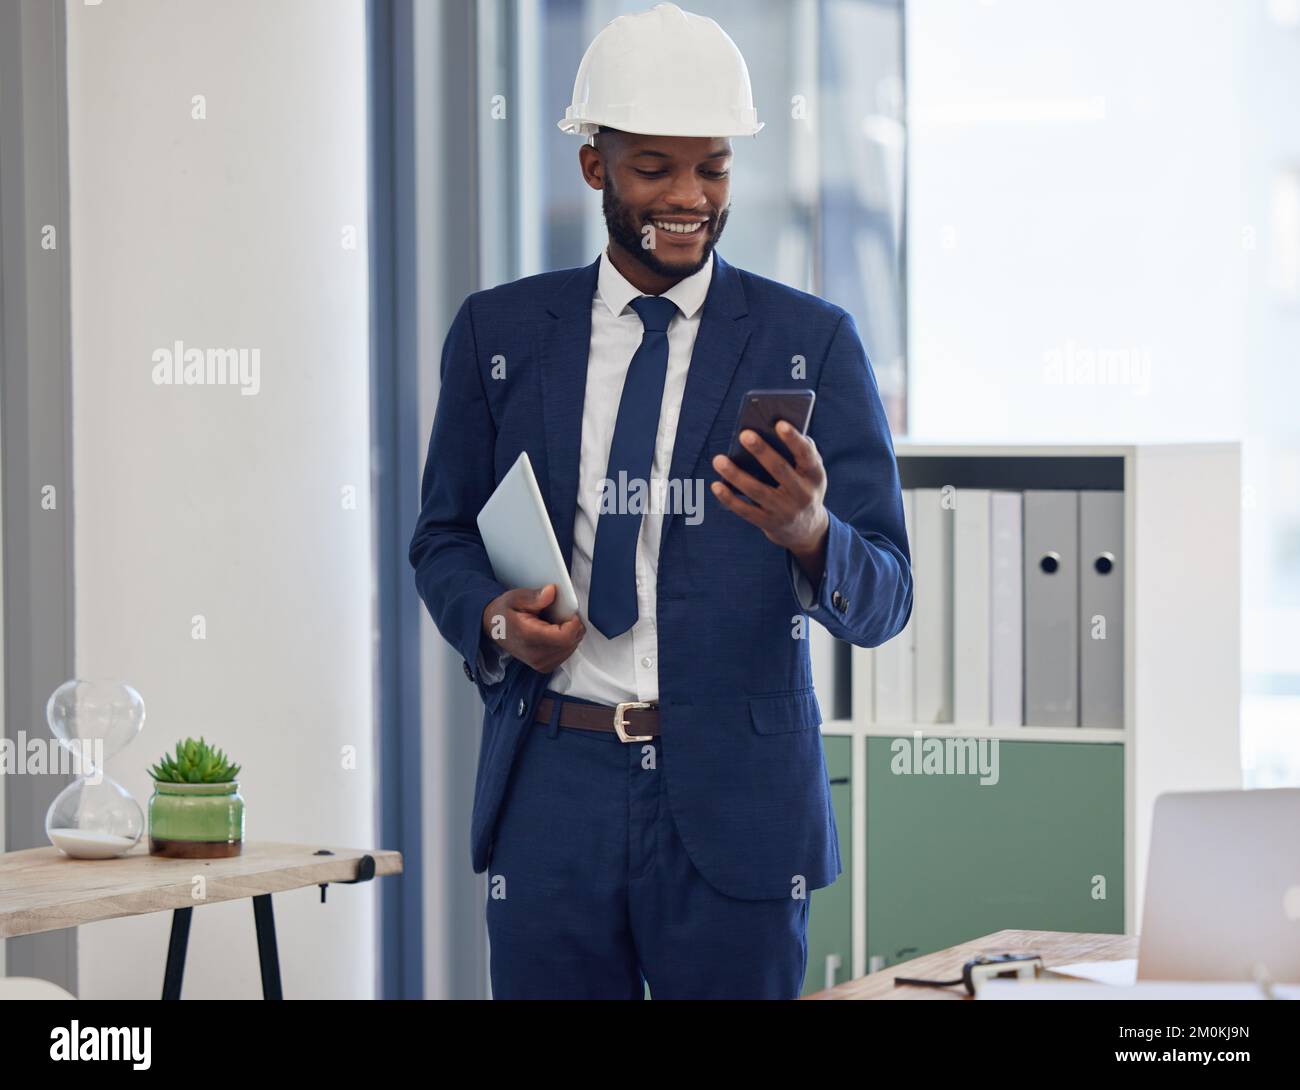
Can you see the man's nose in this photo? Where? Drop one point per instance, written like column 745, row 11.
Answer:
column 686, row 193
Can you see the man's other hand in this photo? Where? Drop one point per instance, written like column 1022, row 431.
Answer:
column 514, row 623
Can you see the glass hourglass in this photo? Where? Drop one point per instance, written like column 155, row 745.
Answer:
column 94, row 817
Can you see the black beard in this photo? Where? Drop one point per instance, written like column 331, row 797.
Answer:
column 625, row 232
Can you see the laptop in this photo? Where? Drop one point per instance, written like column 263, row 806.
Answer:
column 1223, row 887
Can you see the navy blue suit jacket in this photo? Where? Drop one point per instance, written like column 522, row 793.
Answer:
column 742, row 752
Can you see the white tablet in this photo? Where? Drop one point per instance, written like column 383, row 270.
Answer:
column 517, row 534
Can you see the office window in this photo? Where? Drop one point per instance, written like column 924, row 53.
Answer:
column 817, row 194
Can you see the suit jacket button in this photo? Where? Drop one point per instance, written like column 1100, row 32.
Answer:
column 839, row 601
column 523, row 707
column 468, row 672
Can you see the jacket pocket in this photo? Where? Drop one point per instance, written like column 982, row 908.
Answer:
column 784, row 713
column 493, row 695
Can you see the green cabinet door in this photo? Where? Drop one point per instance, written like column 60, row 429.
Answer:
column 950, row 859
column 830, row 909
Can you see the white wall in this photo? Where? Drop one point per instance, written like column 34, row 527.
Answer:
column 1076, row 186
column 199, row 500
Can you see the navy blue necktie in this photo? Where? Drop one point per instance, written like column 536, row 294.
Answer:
column 611, row 601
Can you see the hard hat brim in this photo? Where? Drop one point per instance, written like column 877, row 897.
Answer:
column 586, row 128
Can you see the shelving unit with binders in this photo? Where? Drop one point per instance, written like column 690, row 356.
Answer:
column 1057, row 839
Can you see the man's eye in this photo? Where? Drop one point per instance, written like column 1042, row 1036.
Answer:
column 649, row 173
column 715, row 173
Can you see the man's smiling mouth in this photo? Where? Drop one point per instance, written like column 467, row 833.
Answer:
column 679, row 227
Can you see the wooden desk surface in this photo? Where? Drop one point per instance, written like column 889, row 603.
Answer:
column 1054, row 947
column 41, row 889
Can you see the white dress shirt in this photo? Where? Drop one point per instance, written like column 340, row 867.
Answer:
column 626, row 667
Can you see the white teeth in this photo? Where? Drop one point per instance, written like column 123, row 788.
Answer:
column 679, row 228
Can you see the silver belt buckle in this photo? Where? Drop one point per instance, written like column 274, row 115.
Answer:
column 620, row 722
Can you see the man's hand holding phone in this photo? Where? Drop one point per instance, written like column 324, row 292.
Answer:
column 514, row 623
column 792, row 514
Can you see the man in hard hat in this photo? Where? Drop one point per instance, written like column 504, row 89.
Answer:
column 652, row 802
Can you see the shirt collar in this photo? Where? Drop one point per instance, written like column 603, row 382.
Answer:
column 616, row 293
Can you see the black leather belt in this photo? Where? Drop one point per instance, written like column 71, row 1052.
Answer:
column 633, row 721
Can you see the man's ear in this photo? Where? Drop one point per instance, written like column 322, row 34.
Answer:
column 592, row 161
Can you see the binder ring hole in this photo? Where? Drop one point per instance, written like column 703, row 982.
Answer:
column 1104, row 564
column 1050, row 563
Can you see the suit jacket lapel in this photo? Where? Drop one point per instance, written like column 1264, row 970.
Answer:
column 564, row 342
column 719, row 343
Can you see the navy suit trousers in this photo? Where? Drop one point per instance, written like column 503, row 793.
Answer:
column 591, row 893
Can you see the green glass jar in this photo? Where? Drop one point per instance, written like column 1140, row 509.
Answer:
column 196, row 820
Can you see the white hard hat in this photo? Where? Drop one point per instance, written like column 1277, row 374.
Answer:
column 663, row 72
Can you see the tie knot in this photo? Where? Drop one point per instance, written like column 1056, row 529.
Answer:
column 655, row 311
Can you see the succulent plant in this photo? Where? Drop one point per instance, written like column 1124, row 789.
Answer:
column 195, row 762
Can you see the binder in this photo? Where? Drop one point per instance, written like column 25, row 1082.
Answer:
column 1007, row 664
column 971, row 607
column 1101, row 609
column 932, row 605
column 893, row 660
column 1051, row 558
column 843, row 680
column 821, row 648
column 864, row 684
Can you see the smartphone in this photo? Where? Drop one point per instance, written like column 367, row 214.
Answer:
column 760, row 410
